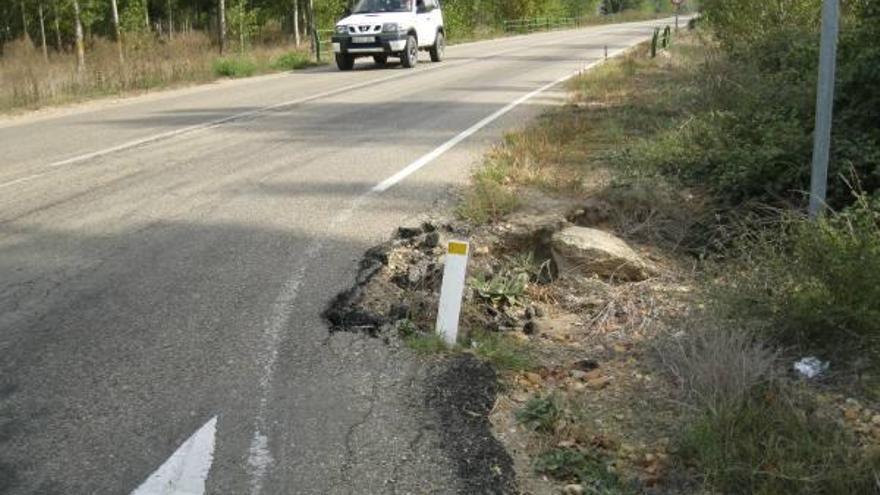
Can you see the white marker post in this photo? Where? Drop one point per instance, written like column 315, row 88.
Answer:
column 452, row 290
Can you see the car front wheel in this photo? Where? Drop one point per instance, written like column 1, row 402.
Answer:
column 439, row 48
column 410, row 56
column 344, row 62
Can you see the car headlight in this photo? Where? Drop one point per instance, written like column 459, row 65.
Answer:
column 341, row 29
column 392, row 27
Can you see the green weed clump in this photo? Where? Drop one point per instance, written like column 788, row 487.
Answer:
column 541, row 413
column 773, row 443
column 292, row 61
column 504, row 352
column 486, row 201
column 426, row 343
column 575, row 465
column 234, row 67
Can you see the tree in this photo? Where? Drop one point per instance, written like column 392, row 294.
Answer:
column 296, row 38
column 222, row 34
column 80, row 46
column 57, row 23
column 116, row 31
column 43, row 32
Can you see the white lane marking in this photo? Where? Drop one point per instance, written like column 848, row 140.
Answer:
column 20, row 180
column 260, row 458
column 185, row 472
column 448, row 145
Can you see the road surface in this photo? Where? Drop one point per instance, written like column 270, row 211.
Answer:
column 164, row 261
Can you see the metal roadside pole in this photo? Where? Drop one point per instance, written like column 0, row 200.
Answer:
column 824, row 106
column 677, row 5
column 316, row 38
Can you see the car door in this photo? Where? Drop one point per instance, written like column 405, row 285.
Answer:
column 426, row 25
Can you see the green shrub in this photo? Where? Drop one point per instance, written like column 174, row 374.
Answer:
column 504, row 352
column 817, row 282
column 574, row 465
column 234, row 67
column 292, row 61
column 425, row 343
column 486, row 201
column 502, row 289
column 774, row 444
column 540, row 413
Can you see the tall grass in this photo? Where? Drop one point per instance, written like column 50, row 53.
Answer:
column 29, row 81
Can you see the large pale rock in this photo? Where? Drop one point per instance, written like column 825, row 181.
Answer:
column 595, row 252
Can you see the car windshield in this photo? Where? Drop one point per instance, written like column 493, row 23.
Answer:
column 370, row 6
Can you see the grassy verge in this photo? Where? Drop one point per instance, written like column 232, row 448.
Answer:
column 699, row 156
column 28, row 82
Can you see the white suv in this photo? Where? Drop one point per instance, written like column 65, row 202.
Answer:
column 390, row 28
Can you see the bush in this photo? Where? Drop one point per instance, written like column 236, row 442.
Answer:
column 540, row 413
column 817, row 282
column 292, row 61
column 717, row 368
column 234, row 67
column 774, row 443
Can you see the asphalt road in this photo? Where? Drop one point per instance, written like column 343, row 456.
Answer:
column 164, row 261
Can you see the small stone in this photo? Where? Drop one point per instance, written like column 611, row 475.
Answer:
column 399, row 311
column 529, row 313
column 539, row 312
column 530, row 328
column 578, row 374
column 534, row 378
column 876, row 420
column 593, row 374
column 432, row 240
column 598, row 383
column 408, row 232
column 577, row 387
column 585, row 365
column 573, row 490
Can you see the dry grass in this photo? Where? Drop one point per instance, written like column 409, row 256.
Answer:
column 717, row 368
column 27, row 81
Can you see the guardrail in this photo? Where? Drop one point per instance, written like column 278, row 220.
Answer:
column 541, row 24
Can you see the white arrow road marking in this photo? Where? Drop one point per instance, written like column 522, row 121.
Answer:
column 185, row 472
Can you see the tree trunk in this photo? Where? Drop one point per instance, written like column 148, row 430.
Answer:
column 43, row 33
column 80, row 47
column 117, row 32
column 241, row 7
column 24, row 24
column 58, row 46
column 147, row 15
column 222, row 4
column 296, row 38
column 170, row 22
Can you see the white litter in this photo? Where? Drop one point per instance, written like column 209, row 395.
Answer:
column 811, row 367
